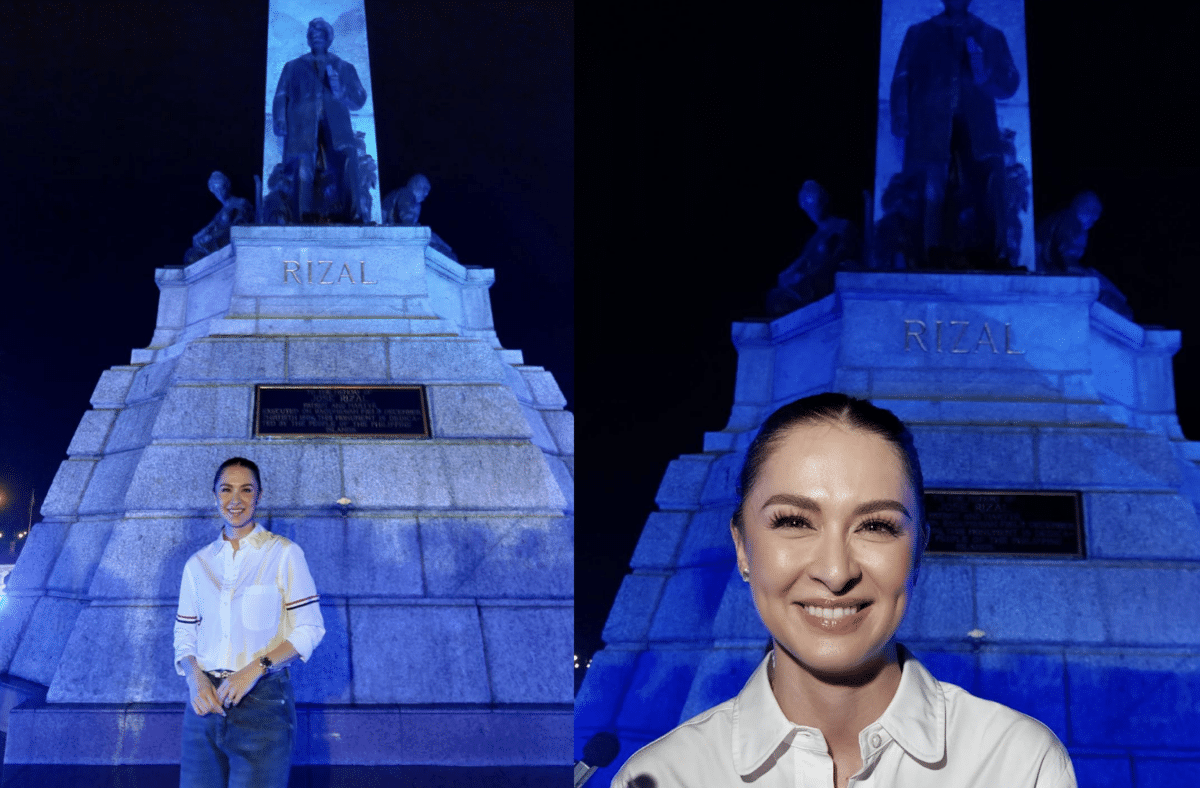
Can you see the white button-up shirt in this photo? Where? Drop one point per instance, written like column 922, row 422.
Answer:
column 931, row 735
column 233, row 608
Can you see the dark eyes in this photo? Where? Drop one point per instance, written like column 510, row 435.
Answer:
column 870, row 526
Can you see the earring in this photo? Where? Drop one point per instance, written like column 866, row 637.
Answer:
column 745, row 575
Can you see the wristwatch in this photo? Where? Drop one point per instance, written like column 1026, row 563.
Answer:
column 266, row 664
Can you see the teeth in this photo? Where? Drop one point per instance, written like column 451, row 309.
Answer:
column 832, row 613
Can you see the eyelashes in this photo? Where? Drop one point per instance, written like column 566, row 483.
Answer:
column 872, row 526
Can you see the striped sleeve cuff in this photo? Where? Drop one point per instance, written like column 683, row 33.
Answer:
column 187, row 619
column 299, row 603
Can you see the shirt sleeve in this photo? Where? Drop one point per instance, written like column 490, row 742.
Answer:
column 187, row 619
column 301, row 604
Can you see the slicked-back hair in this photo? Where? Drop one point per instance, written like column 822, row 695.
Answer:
column 832, row 408
column 244, row 463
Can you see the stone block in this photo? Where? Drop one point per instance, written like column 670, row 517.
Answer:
column 563, row 471
column 543, row 387
column 720, row 676
column 942, row 604
column 659, row 543
column 110, row 482
column 806, row 361
column 113, row 387
column 972, row 458
column 1105, row 458
column 516, row 384
column 1142, row 605
column 66, row 491
column 755, row 365
column 478, row 412
column 1031, row 683
column 209, row 296
column 358, row 556
column 443, row 360
column 689, row 604
column 79, row 556
column 1104, row 771
column 959, row 668
column 91, row 433
column 151, row 380
column 708, row 540
column 437, row 648
column 683, row 481
column 144, row 558
column 325, row 678
column 206, row 412
column 37, row 557
column 119, row 655
column 720, row 487
column 15, row 613
column 1134, row 700
column 357, row 736
column 1141, row 525
column 633, row 609
column 233, row 359
column 561, row 424
column 459, row 476
column 658, row 691
column 79, row 736
column 499, row 737
column 342, row 359
column 737, row 618
column 1180, row 772
column 529, row 653
column 132, row 428
column 497, row 557
column 932, row 385
column 43, row 642
column 603, row 688
column 537, row 429
column 149, row 736
column 1040, row 603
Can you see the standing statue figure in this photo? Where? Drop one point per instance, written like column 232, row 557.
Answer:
column 234, row 210
column 311, row 111
column 1062, row 239
column 950, row 71
column 403, row 207
column 811, row 276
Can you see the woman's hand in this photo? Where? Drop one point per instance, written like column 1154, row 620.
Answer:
column 204, row 697
column 237, row 686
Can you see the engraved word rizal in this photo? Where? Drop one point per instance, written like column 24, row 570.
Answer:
column 320, row 272
column 957, row 336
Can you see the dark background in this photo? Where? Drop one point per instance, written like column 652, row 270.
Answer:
column 710, row 124
column 115, row 114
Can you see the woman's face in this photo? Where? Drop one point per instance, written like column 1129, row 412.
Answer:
column 237, row 495
column 829, row 544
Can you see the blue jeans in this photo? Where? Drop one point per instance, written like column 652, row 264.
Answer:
column 250, row 747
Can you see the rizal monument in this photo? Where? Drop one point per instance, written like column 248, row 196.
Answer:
column 427, row 472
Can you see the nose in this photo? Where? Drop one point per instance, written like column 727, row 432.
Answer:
column 833, row 563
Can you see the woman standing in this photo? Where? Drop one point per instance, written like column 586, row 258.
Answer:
column 247, row 608
column 829, row 531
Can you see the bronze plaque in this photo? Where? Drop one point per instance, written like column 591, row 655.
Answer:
column 345, row 411
column 1005, row 522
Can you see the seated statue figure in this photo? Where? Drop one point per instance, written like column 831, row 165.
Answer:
column 1062, row 240
column 811, row 276
column 234, row 210
column 403, row 207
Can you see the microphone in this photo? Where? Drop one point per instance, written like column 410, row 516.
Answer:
column 600, row 751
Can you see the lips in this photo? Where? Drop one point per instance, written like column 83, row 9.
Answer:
column 839, row 617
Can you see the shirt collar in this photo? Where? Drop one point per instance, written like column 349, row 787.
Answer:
column 255, row 538
column 916, row 717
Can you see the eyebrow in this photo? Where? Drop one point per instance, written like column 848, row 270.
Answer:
column 868, row 507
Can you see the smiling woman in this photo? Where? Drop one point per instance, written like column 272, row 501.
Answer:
column 829, row 530
column 247, row 608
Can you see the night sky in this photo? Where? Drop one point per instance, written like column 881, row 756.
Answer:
column 708, row 125
column 117, row 112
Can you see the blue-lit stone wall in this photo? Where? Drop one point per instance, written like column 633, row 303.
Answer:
column 1008, row 382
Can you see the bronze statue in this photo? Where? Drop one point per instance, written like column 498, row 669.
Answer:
column 811, row 276
column 234, row 210
column 403, row 207
column 950, row 71
column 311, row 112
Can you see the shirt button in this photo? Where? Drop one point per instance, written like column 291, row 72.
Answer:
column 876, row 739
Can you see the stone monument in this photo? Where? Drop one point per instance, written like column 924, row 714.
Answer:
column 426, row 471
column 1062, row 494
